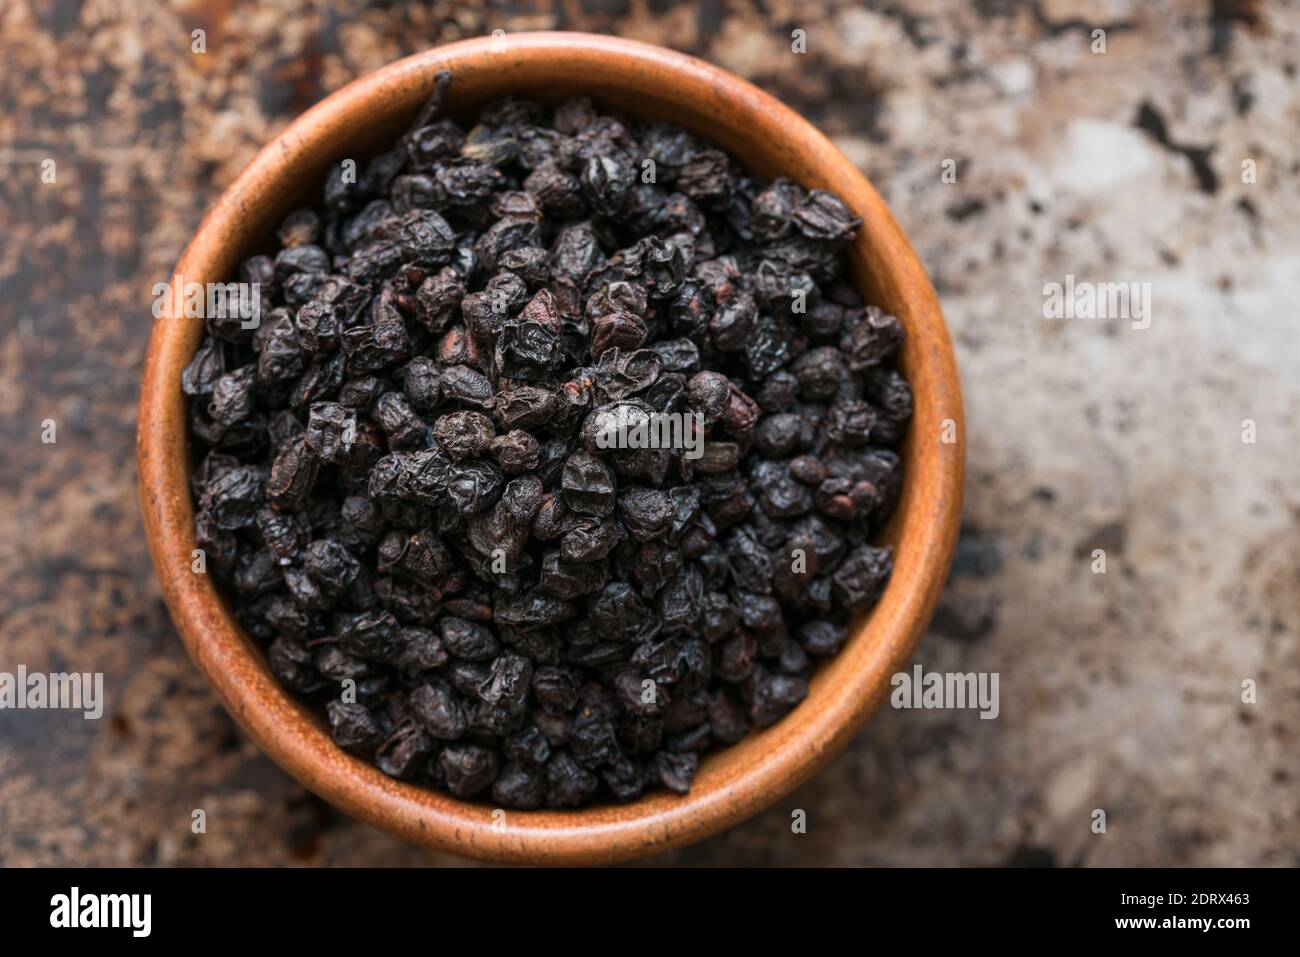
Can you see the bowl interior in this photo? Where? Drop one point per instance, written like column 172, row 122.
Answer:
column 649, row 83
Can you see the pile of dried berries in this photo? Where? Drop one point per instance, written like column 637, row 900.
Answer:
column 404, row 493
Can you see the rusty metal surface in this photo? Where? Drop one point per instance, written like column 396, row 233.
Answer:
column 1119, row 691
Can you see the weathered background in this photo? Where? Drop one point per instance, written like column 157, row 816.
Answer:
column 1120, row 691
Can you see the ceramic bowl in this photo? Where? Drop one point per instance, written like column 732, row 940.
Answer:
column 732, row 784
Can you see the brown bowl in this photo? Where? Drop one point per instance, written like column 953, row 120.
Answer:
column 772, row 140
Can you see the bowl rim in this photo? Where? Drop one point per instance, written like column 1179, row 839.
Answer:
column 733, row 783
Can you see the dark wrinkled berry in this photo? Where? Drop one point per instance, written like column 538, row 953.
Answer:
column 468, row 768
column 353, row 726
column 520, row 786
column 516, row 452
column 464, row 435
column 469, row 639
column 774, row 696
column 858, row 581
column 872, row 339
column 437, row 708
